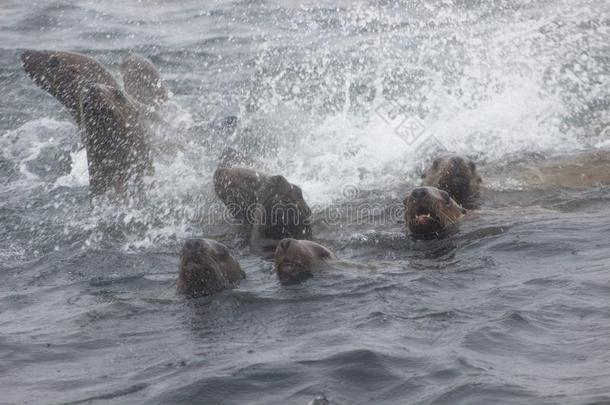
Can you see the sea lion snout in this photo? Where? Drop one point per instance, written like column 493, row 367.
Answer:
column 419, row 193
column 457, row 186
column 456, row 175
column 431, row 213
column 192, row 245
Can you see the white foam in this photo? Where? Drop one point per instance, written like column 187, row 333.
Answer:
column 79, row 174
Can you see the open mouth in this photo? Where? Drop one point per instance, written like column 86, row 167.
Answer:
column 423, row 216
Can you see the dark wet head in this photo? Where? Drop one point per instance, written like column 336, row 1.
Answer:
column 142, row 80
column 286, row 213
column 294, row 259
column 456, row 175
column 203, row 267
column 431, row 213
column 237, row 187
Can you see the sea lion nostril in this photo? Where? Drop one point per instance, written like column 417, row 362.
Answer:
column 457, row 160
column 191, row 244
column 419, row 193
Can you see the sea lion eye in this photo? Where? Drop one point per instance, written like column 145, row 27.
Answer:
column 473, row 167
column 436, row 163
column 446, row 197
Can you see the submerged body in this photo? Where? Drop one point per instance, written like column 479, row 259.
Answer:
column 578, row 171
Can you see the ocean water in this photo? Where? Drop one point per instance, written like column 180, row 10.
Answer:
column 349, row 100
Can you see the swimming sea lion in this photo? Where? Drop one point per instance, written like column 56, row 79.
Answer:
column 457, row 176
column 581, row 170
column 142, row 80
column 117, row 143
column 431, row 213
column 62, row 74
column 274, row 207
column 296, row 260
column 207, row 267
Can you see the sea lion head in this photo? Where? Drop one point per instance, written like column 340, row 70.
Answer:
column 456, row 175
column 294, row 259
column 286, row 214
column 206, row 267
column 237, row 187
column 142, row 80
column 431, row 213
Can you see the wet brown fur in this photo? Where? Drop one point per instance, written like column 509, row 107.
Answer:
column 274, row 207
column 295, row 260
column 456, row 175
column 207, row 267
column 444, row 213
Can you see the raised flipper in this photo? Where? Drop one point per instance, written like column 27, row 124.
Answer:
column 142, row 80
column 118, row 148
column 62, row 74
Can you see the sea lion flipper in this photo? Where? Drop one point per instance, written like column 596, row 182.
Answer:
column 118, row 151
column 62, row 75
column 142, row 80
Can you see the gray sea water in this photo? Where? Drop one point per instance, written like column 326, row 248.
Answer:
column 348, row 100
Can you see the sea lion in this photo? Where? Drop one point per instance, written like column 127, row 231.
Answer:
column 457, row 176
column 237, row 188
column 117, row 142
column 62, row 74
column 207, row 267
column 431, row 213
column 274, row 207
column 115, row 125
column 583, row 170
column 296, row 260
column 142, row 80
